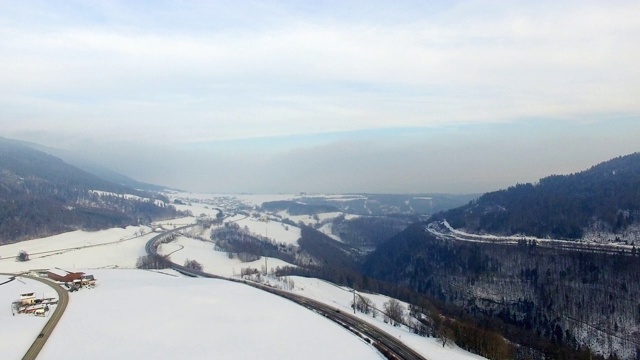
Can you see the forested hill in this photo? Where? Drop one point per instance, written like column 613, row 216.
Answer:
column 553, row 302
column 601, row 202
column 41, row 195
column 26, row 162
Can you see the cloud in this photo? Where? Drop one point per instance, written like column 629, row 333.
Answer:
column 169, row 74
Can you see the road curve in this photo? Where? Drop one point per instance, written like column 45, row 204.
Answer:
column 63, row 301
column 391, row 347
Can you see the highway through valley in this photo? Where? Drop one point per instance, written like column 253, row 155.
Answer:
column 388, row 345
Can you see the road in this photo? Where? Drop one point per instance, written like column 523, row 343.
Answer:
column 63, row 301
column 391, row 347
column 445, row 232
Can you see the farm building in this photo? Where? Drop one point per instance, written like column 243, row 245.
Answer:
column 63, row 275
column 88, row 280
column 38, row 310
column 27, row 299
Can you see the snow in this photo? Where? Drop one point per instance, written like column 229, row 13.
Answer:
column 18, row 332
column 79, row 249
column 165, row 315
column 259, row 199
column 198, row 209
column 126, row 196
column 168, row 224
column 213, row 262
column 513, row 239
column 274, row 230
column 177, row 318
column 327, row 230
column 342, row 298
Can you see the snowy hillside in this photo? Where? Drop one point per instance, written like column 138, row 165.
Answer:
column 153, row 315
column 164, row 315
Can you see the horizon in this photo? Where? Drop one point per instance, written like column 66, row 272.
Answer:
column 331, row 97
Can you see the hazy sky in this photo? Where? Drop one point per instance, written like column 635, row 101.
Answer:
column 325, row 96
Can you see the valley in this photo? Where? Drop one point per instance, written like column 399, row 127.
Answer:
column 111, row 256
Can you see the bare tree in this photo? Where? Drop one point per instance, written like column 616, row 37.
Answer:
column 151, row 262
column 363, row 304
column 445, row 334
column 394, row 312
column 22, row 256
column 193, row 264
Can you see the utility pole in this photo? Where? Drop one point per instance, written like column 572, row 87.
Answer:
column 354, row 301
column 266, row 269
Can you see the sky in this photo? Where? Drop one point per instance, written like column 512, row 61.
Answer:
column 325, row 96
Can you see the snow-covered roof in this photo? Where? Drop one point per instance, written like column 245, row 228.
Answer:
column 58, row 272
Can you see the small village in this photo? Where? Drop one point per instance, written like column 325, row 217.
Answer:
column 30, row 304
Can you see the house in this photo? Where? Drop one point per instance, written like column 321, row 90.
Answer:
column 35, row 309
column 27, row 299
column 88, row 280
column 39, row 272
column 60, row 275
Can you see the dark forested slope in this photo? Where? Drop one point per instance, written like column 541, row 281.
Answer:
column 41, row 195
column 604, row 199
column 570, row 298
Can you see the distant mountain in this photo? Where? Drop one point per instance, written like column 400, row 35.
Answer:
column 41, row 195
column 603, row 200
column 97, row 170
column 112, row 176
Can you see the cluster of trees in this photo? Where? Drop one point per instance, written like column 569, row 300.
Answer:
column 296, row 207
column 192, row 264
column 571, row 299
column 393, row 312
column 364, row 305
column 40, row 195
column 368, row 231
column 327, row 251
column 152, row 262
column 240, row 243
column 22, row 256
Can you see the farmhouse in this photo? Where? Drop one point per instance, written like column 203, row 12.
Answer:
column 28, row 299
column 88, row 280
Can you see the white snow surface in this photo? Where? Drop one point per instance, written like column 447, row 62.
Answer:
column 274, row 230
column 342, row 298
column 136, row 314
column 213, row 262
column 79, row 249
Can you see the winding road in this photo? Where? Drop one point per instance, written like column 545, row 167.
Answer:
column 391, row 347
column 63, row 301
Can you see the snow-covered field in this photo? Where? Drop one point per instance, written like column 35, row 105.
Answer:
column 78, row 250
column 133, row 314
column 19, row 331
column 277, row 231
column 213, row 262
